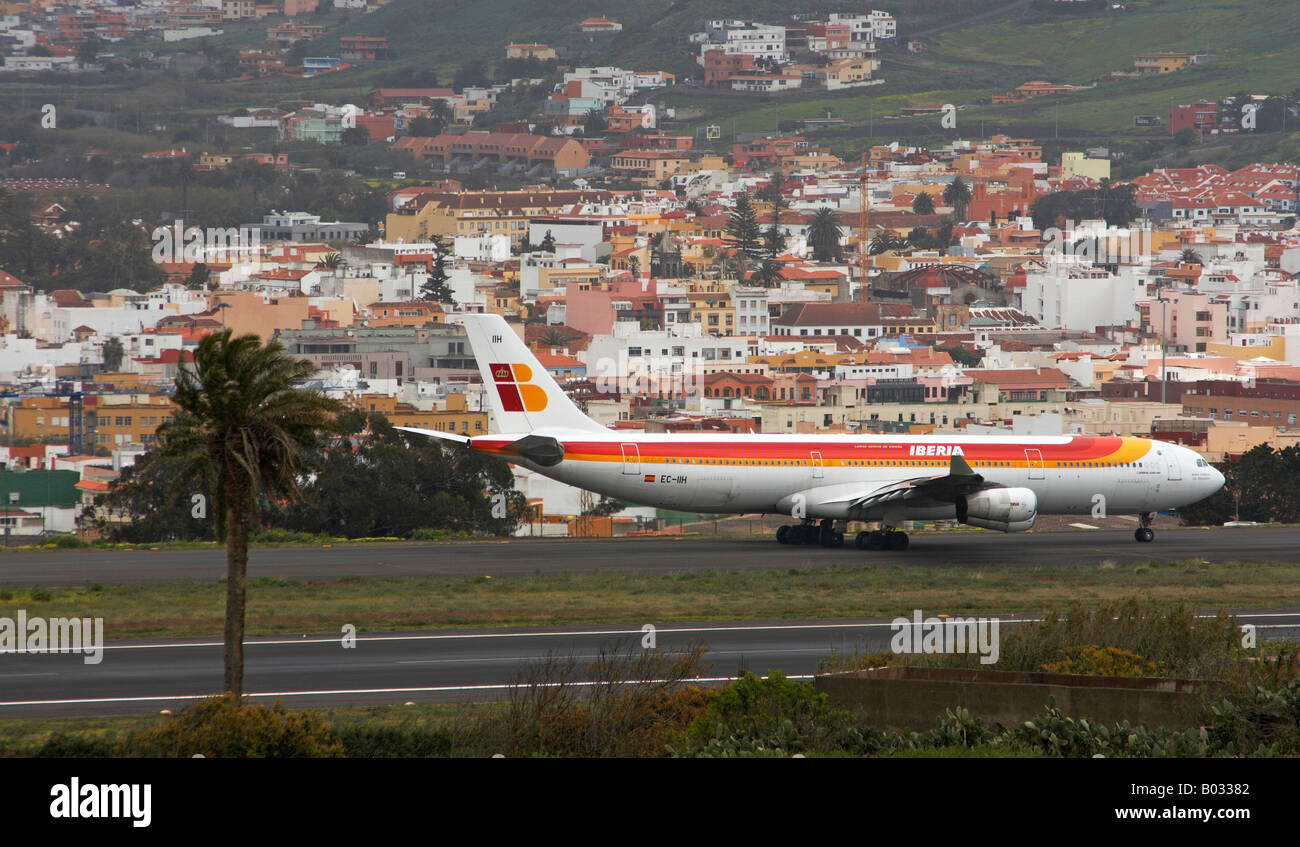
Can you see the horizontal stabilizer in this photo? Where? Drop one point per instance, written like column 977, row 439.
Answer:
column 445, row 436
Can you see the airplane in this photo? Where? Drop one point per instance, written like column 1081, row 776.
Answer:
column 824, row 481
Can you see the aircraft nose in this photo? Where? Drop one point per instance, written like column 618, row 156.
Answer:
column 1218, row 480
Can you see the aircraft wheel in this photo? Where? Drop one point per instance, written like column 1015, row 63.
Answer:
column 837, row 540
column 877, row 541
column 1144, row 534
column 897, row 540
column 783, row 534
column 863, row 541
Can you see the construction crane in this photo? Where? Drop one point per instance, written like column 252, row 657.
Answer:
column 864, row 216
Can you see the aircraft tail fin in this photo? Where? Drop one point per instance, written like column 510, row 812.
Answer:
column 523, row 395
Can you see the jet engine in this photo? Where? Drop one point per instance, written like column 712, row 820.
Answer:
column 1005, row 509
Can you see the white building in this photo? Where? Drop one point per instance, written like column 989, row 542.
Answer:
column 743, row 38
column 1081, row 298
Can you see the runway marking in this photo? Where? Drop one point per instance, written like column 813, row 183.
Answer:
column 582, row 633
column 431, row 689
column 1083, row 526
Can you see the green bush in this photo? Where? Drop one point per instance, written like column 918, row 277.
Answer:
column 425, row 533
column 62, row 745
column 220, row 727
column 64, row 542
column 361, row 741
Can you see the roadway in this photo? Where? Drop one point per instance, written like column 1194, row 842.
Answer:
column 315, row 671
column 648, row 555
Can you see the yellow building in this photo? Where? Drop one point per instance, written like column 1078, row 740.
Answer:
column 483, row 213
column 713, row 311
column 1160, row 63
column 108, row 420
column 456, row 417
column 1078, row 164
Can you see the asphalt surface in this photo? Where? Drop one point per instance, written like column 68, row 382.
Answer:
column 144, row 677
column 648, row 555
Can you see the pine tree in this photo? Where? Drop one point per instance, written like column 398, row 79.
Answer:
column 436, row 287
column 744, row 232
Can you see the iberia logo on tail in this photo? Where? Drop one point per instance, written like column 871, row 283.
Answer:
column 515, row 389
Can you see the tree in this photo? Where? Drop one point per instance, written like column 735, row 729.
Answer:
column 886, row 241
column 1190, row 257
column 634, row 265
column 199, row 276
column 768, row 273
column 330, row 262
column 744, row 232
column 436, row 287
column 113, row 353
column 548, row 243
column 243, row 428
column 356, row 136
column 957, row 195
column 923, row 204
column 824, row 236
column 594, row 123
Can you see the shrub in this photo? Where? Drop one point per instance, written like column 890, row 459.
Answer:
column 1094, row 660
column 64, row 542
column 626, row 702
column 388, row 742
column 62, row 745
column 762, row 715
column 220, row 727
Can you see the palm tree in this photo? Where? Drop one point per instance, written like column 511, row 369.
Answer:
column 1190, row 257
column 824, row 236
column 243, row 428
column 331, row 261
column 886, row 241
column 768, row 273
column 957, row 195
column 634, row 265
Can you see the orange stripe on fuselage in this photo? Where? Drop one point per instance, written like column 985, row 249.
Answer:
column 1115, row 450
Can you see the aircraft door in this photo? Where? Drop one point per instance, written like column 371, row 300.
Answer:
column 1171, row 462
column 1034, row 461
column 631, row 459
column 817, row 469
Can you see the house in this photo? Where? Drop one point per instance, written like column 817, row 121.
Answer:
column 1160, row 63
column 363, row 48
column 599, row 26
column 541, row 52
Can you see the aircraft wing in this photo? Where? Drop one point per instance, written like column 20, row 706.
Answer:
column 940, row 488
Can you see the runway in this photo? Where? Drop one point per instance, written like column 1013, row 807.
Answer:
column 144, row 677
column 648, row 555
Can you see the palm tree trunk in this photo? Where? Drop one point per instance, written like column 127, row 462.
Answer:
column 238, row 495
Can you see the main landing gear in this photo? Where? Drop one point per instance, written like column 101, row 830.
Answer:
column 1144, row 533
column 882, row 539
column 809, row 532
